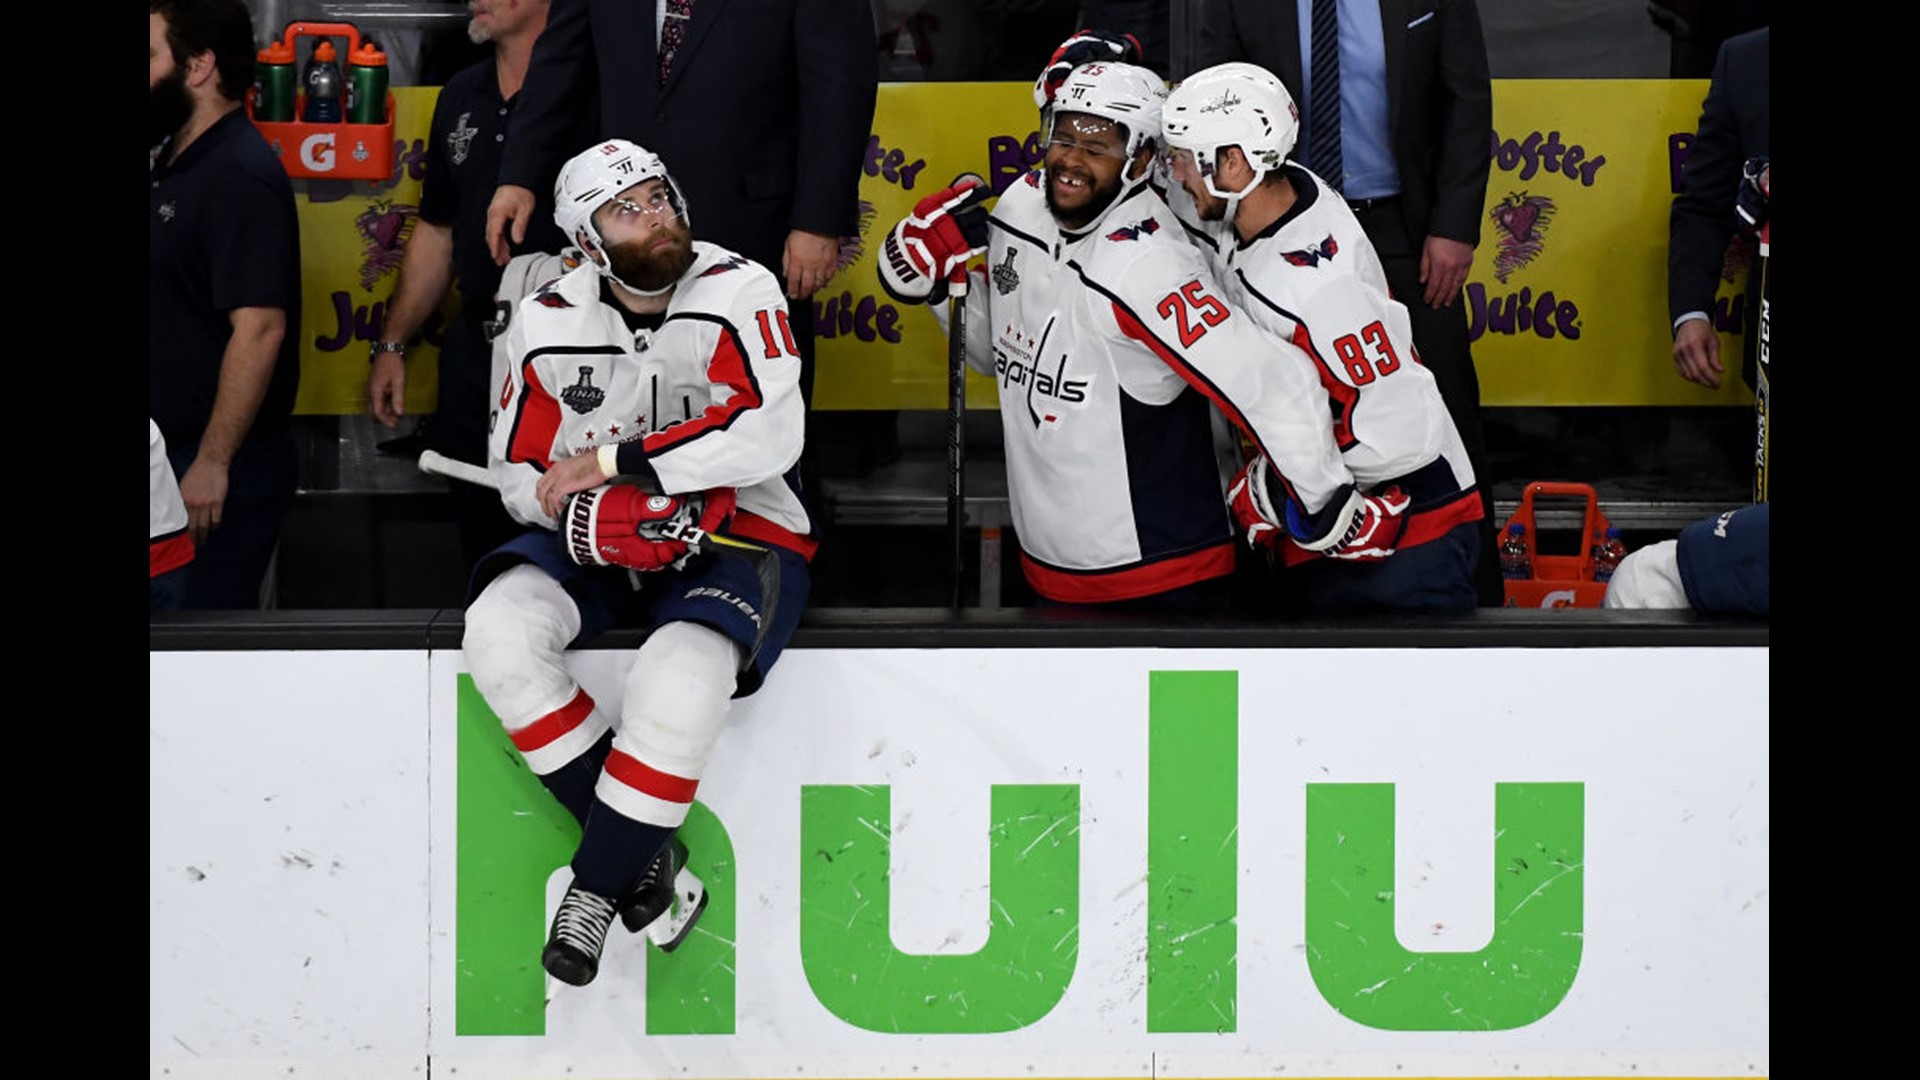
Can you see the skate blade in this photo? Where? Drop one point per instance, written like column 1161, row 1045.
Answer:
column 689, row 900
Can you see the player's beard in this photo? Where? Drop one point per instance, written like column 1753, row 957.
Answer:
column 1103, row 196
column 168, row 107
column 651, row 265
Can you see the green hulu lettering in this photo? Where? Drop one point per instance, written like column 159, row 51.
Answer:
column 846, row 944
column 1525, row 971
column 512, row 835
column 1192, row 850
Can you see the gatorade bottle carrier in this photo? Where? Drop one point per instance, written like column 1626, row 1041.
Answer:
column 328, row 151
column 1559, row 580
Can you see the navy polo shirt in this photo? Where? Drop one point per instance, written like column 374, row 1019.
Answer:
column 462, row 171
column 222, row 233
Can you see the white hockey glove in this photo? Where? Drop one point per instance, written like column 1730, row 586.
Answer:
column 621, row 525
column 929, row 249
column 1364, row 528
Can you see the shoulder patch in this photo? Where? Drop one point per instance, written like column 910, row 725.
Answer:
column 549, row 295
column 733, row 263
column 1136, row 230
column 1312, row 255
column 1032, row 178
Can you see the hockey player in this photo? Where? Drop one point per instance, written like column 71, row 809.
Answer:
column 648, row 402
column 1289, row 252
column 1111, row 343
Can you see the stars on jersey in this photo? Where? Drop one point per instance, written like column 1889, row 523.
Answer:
column 1311, row 255
column 1135, row 231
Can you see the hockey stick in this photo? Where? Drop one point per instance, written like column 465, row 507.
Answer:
column 766, row 564
column 957, row 432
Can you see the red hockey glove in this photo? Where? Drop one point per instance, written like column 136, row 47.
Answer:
column 929, row 249
column 1084, row 47
column 1252, row 508
column 621, row 525
column 1365, row 529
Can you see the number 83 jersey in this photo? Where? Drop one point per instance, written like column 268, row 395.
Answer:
column 1117, row 359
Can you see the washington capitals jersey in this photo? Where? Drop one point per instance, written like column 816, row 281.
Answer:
column 1312, row 279
column 712, row 394
column 1112, row 348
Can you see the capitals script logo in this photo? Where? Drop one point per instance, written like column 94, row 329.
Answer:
column 1135, row 231
column 1521, row 221
column 1312, row 255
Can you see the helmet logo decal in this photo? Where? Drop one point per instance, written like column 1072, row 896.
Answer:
column 1227, row 100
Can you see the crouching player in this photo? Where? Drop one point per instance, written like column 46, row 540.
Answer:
column 649, row 424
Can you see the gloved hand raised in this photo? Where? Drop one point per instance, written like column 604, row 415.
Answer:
column 929, row 249
column 1084, row 47
column 622, row 525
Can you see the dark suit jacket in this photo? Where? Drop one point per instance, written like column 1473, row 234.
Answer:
column 762, row 122
column 1733, row 128
column 1439, row 96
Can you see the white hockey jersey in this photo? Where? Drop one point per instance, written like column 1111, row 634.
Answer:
column 1111, row 346
column 168, row 545
column 711, row 396
column 1312, row 278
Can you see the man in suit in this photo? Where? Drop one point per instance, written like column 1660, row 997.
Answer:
column 760, row 107
column 1733, row 129
column 1416, row 120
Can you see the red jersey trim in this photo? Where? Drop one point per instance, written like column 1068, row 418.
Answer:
column 170, row 552
column 1128, row 582
column 754, row 527
column 728, row 367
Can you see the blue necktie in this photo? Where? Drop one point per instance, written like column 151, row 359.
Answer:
column 1325, row 114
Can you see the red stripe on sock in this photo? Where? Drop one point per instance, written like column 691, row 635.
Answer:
column 648, row 780
column 553, row 725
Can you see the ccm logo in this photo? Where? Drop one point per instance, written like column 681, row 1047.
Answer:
column 316, row 152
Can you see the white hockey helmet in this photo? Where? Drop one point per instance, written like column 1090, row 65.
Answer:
column 1233, row 104
column 591, row 179
column 1126, row 94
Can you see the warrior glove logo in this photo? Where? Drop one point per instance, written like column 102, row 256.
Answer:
column 583, row 397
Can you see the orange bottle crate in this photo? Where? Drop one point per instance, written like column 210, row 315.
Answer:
column 1558, row 580
column 328, row 151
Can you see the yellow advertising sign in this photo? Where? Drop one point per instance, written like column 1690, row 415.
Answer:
column 1566, row 304
column 352, row 233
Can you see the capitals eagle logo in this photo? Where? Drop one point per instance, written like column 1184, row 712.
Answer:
column 1313, row 254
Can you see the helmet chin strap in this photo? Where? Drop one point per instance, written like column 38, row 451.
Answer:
column 1232, row 198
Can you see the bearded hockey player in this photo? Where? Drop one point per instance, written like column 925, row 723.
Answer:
column 1112, row 345
column 1289, row 253
column 648, row 409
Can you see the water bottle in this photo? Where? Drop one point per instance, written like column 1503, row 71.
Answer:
column 273, row 85
column 325, row 86
column 367, row 85
column 1515, row 563
column 1607, row 554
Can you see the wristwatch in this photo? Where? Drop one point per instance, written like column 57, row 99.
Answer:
column 378, row 347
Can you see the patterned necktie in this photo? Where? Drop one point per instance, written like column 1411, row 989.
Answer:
column 673, row 29
column 1325, row 114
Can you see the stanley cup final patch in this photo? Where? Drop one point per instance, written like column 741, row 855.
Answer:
column 1005, row 279
column 583, row 397
column 460, row 139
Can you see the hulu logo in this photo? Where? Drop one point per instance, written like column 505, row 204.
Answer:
column 512, row 836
